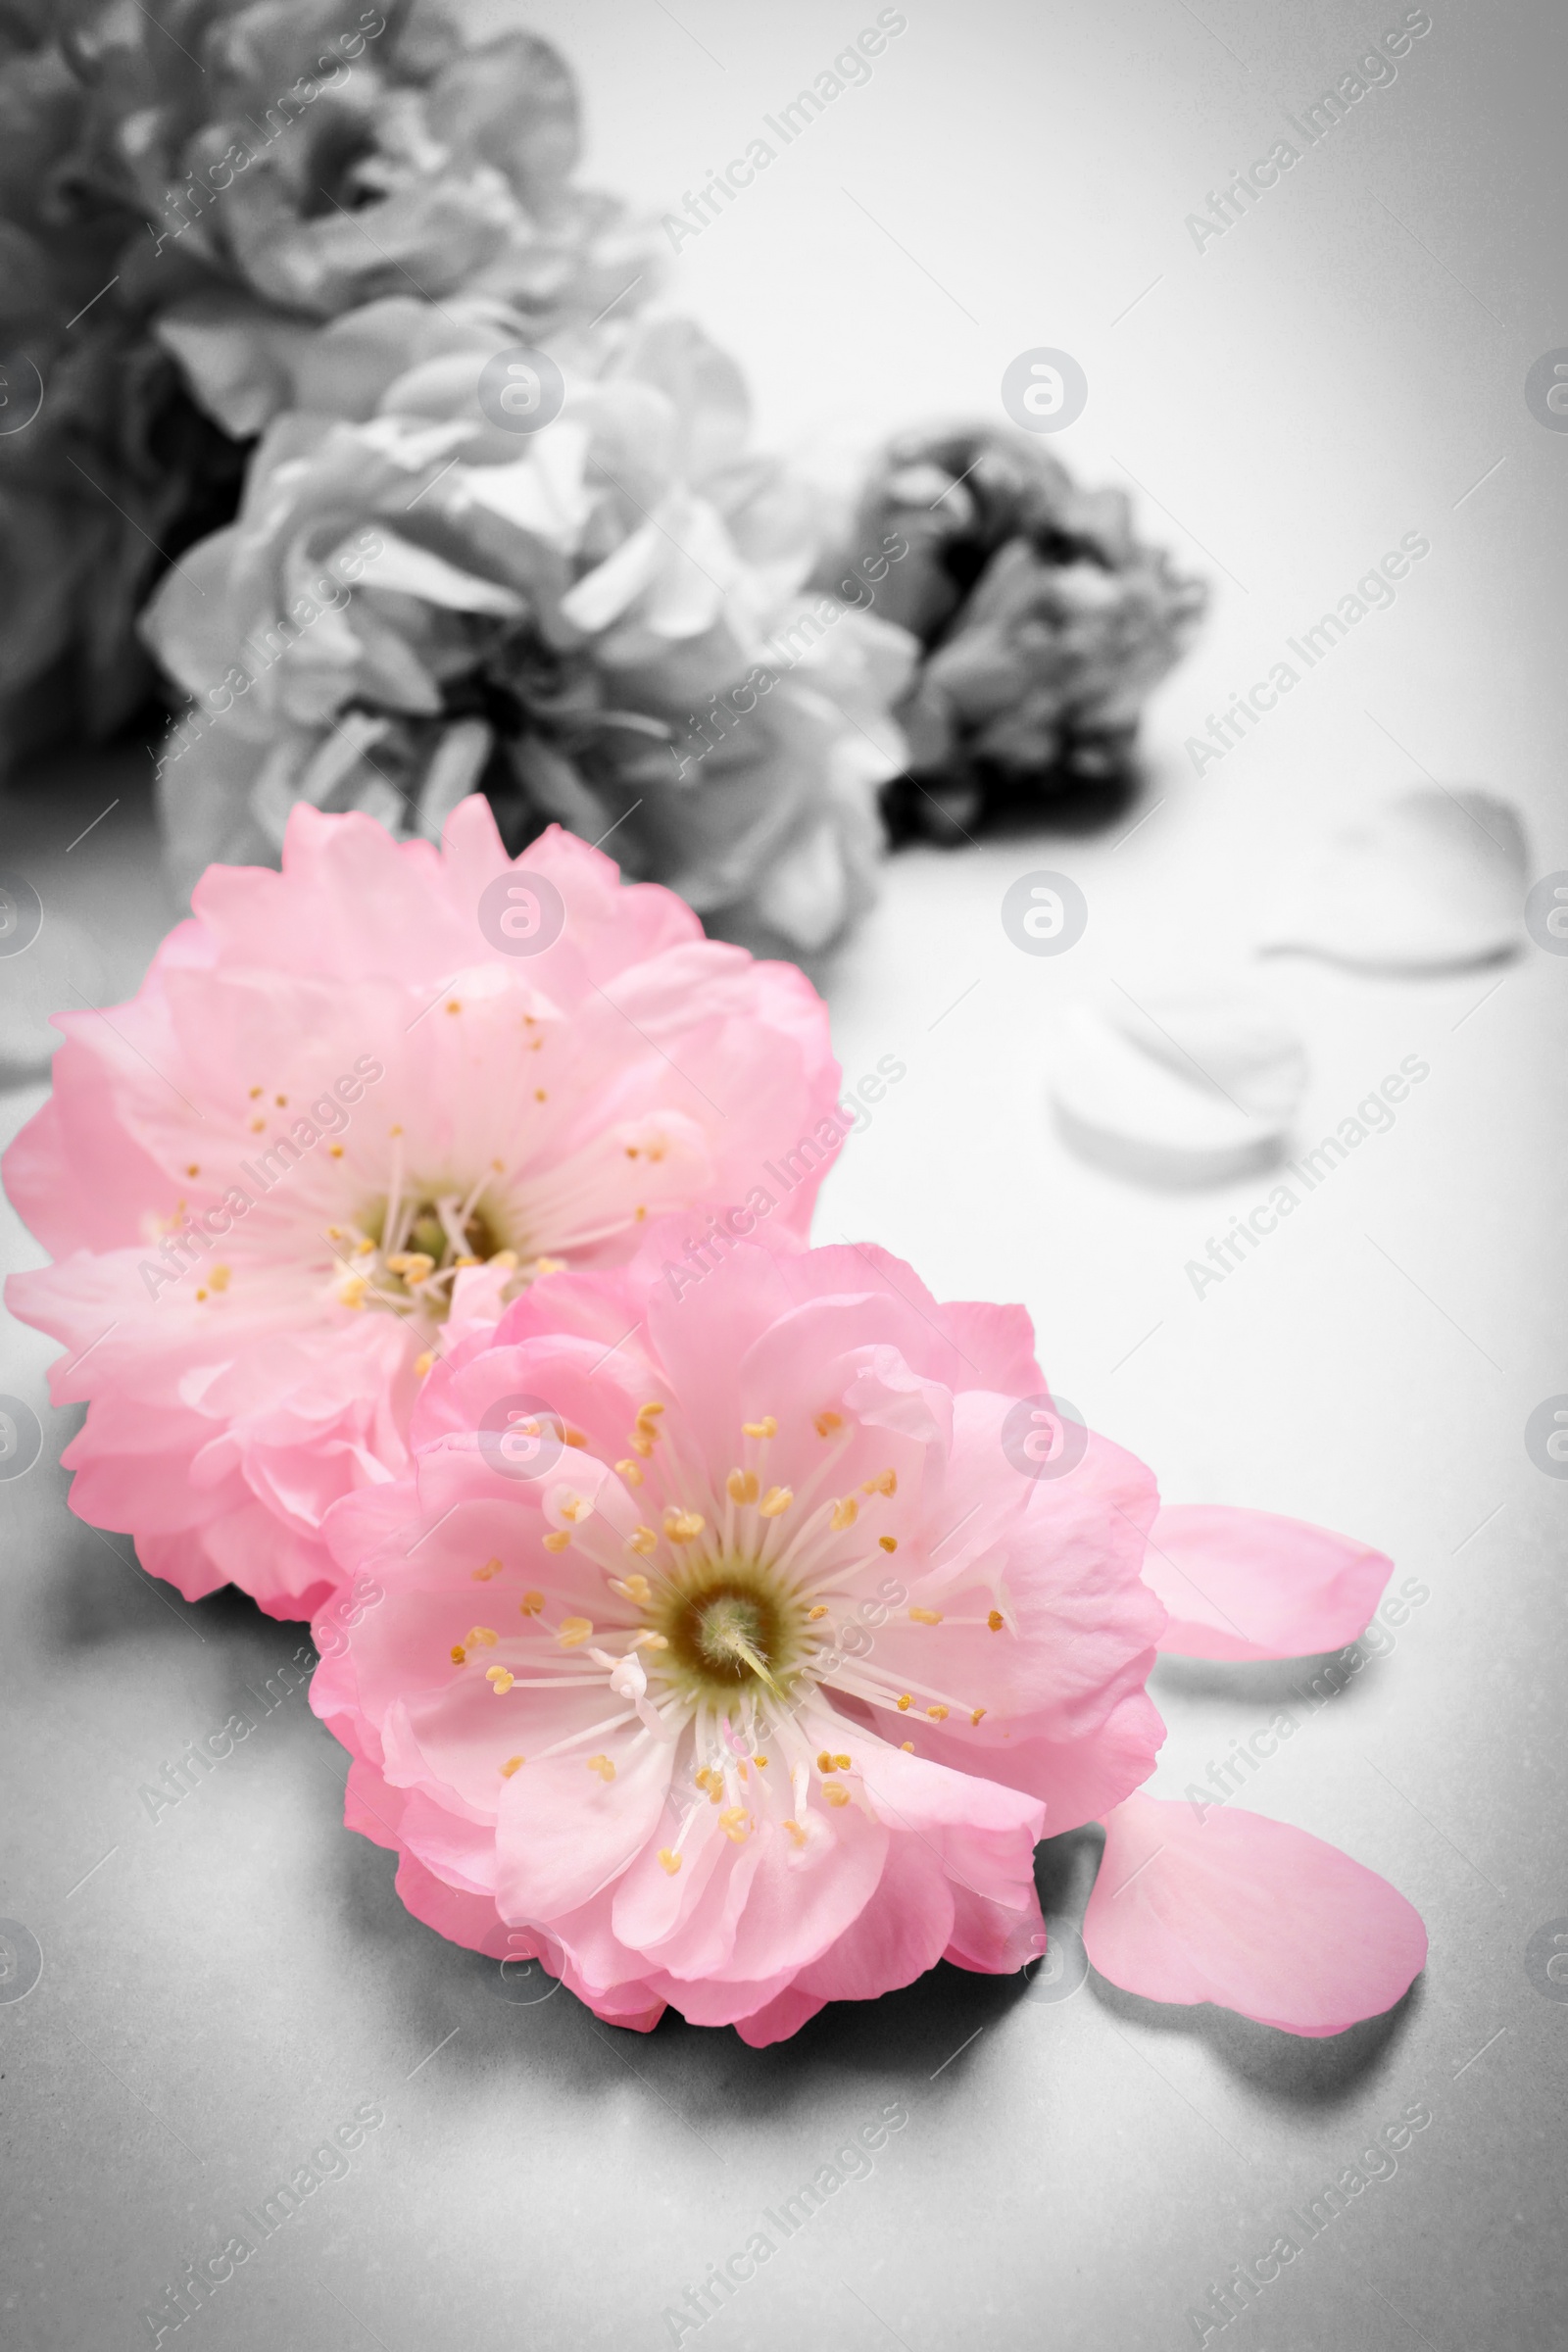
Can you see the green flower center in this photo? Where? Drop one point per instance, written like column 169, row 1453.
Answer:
column 734, row 1626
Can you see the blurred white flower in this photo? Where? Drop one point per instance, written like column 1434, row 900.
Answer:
column 425, row 603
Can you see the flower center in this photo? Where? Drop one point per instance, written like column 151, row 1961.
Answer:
column 732, row 1627
column 404, row 1252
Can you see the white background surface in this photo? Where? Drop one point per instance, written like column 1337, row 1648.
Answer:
column 229, row 1983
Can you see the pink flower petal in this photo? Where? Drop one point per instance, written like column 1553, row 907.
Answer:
column 1248, row 1913
column 1252, row 1584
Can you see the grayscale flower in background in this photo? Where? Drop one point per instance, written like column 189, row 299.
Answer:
column 1044, row 623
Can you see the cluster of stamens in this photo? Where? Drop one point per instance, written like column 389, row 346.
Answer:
column 727, row 1616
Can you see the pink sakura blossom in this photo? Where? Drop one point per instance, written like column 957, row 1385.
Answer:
column 722, row 1645
column 347, row 1116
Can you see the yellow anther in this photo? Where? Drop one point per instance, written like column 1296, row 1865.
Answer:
column 978, row 1712
column 741, row 1485
column 576, row 1507
column 767, row 1427
column 460, row 1657
column 842, row 1763
column 558, row 1538
column 468, row 1259
column 482, row 1576
column 925, row 1616
column 682, row 1526
column 908, row 1747
column 481, row 1637
column 938, row 1714
column 513, row 1764
column 604, row 1767
column 550, row 1265
column 630, row 1471
column 775, row 1500
column 641, row 1443
column 573, row 1631
column 635, row 1588
column 736, row 1824
column 712, row 1783
column 889, row 1542
column 201, row 1294
column 641, row 1539
column 797, row 1833
column 574, row 1436
column 649, row 1412
column 845, row 1513
column 670, row 1861
column 649, row 1641
column 414, row 1266
column 827, row 1422
column 532, row 1603
column 820, row 1610
column 351, row 1289
column 364, row 1246
column 454, row 1004
column 423, row 1363
column 256, row 1092
column 760, row 1762
column 906, row 1703
column 217, row 1279
column 886, row 1481
column 835, row 1792
column 996, row 1621
column 500, row 1680
column 507, row 1258
column 825, row 1762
